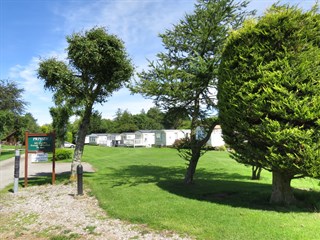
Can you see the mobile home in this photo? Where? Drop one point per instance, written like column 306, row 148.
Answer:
column 167, row 137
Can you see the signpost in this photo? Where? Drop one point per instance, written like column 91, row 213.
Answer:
column 39, row 143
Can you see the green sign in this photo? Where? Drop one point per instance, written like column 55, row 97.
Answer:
column 40, row 143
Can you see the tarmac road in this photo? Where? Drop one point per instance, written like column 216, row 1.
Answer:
column 34, row 169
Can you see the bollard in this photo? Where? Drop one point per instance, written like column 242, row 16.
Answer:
column 79, row 179
column 16, row 171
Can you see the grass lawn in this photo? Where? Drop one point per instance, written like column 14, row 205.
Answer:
column 144, row 185
column 8, row 152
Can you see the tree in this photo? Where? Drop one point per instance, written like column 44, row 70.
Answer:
column 11, row 106
column 25, row 123
column 124, row 122
column 95, row 123
column 156, row 118
column 97, row 66
column 11, row 97
column 60, row 119
column 177, row 118
column 184, row 75
column 46, row 128
column 152, row 120
column 269, row 94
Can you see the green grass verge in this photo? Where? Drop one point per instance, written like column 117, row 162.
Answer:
column 145, row 186
column 8, row 152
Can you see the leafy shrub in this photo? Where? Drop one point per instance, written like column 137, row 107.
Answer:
column 221, row 148
column 182, row 143
column 62, row 153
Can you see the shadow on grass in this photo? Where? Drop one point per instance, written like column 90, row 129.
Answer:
column 43, row 178
column 216, row 187
column 6, row 155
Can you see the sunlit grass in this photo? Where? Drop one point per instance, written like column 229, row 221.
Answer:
column 145, row 186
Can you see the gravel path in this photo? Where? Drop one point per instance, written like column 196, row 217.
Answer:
column 56, row 212
column 42, row 212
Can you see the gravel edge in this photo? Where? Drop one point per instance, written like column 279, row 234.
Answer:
column 41, row 212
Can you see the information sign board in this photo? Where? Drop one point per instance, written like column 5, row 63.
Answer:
column 40, row 143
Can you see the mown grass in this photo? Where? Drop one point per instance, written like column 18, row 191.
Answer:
column 7, row 152
column 145, row 186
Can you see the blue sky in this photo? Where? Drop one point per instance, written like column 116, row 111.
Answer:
column 35, row 29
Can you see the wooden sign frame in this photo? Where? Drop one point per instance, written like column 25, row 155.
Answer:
column 35, row 142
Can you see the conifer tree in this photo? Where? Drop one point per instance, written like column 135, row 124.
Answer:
column 269, row 95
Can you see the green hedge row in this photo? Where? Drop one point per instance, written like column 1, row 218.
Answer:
column 62, row 153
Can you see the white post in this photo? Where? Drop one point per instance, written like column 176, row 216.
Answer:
column 16, row 171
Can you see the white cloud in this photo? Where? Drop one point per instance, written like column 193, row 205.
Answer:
column 26, row 76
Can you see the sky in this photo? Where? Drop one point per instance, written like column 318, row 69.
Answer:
column 31, row 30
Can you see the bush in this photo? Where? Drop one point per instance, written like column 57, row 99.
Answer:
column 183, row 143
column 62, row 154
column 221, row 148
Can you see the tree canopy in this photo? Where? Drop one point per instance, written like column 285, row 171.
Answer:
column 183, row 78
column 97, row 66
column 12, row 111
column 11, row 97
column 269, row 95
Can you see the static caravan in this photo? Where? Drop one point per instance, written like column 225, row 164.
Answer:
column 215, row 139
column 98, row 139
column 167, row 137
column 91, row 139
column 144, row 138
column 115, row 139
column 127, row 138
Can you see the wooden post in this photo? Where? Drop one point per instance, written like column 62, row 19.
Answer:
column 53, row 159
column 26, row 160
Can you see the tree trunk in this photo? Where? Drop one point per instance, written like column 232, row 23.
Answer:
column 256, row 172
column 188, row 179
column 81, row 136
column 281, row 190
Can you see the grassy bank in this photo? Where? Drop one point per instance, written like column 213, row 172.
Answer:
column 145, row 186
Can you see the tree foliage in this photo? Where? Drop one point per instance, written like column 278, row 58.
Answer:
column 12, row 109
column 97, row 66
column 60, row 119
column 184, row 75
column 269, row 95
column 11, row 97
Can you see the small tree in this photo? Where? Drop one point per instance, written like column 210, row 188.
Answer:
column 269, row 95
column 98, row 65
column 60, row 118
column 184, row 76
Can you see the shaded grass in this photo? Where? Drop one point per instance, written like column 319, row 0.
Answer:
column 145, row 186
column 6, row 154
column 8, row 151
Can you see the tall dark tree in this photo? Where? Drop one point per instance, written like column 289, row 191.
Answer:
column 24, row 123
column 176, row 117
column 184, row 75
column 60, row 119
column 11, row 107
column 96, row 123
column 97, row 66
column 11, row 97
column 269, row 95
column 124, row 122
